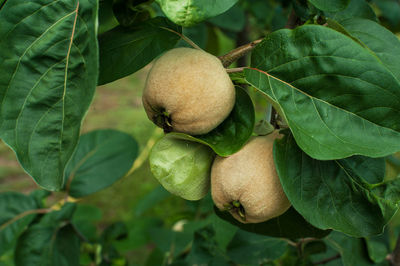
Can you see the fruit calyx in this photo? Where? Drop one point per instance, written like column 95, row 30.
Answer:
column 236, row 207
column 163, row 119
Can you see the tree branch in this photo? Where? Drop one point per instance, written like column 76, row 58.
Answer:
column 22, row 215
column 236, row 53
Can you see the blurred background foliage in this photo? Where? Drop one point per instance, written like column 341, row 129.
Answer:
column 149, row 225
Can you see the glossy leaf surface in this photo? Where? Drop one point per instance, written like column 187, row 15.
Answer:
column 338, row 97
column 233, row 132
column 334, row 194
column 48, row 55
column 101, row 158
column 124, row 51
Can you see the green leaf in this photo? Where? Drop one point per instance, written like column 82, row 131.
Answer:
column 124, row 51
column 380, row 41
column 377, row 248
column 106, row 18
column 334, row 194
column 115, row 231
column 48, row 55
column 101, row 158
column 233, row 132
column 188, row 13
column 205, row 250
column 16, row 214
column 331, row 5
column 151, row 199
column 289, row 225
column 249, row 248
column 355, row 9
column 182, row 167
column 233, row 20
column 167, row 240
column 85, row 219
column 352, row 250
column 336, row 95
column 51, row 241
column 390, row 10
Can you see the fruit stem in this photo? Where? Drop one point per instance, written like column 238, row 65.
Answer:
column 238, row 52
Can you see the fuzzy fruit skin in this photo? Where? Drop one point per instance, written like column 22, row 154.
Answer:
column 182, row 167
column 192, row 87
column 249, row 176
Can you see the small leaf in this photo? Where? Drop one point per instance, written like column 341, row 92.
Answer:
column 188, row 13
column 16, row 214
column 336, row 95
column 48, row 55
column 101, row 158
column 124, row 51
column 334, row 194
column 233, row 132
column 289, row 225
column 249, row 248
column 50, row 241
column 331, row 5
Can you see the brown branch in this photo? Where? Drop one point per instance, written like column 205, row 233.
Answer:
column 236, row 53
column 235, row 70
column 324, row 261
column 22, row 215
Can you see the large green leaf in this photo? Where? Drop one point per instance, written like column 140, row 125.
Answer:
column 48, row 55
column 252, row 249
column 338, row 97
column 380, row 41
column 330, row 5
column 51, row 241
column 334, row 194
column 190, row 12
column 124, row 51
column 289, row 225
column 16, row 214
column 233, row 132
column 101, row 158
